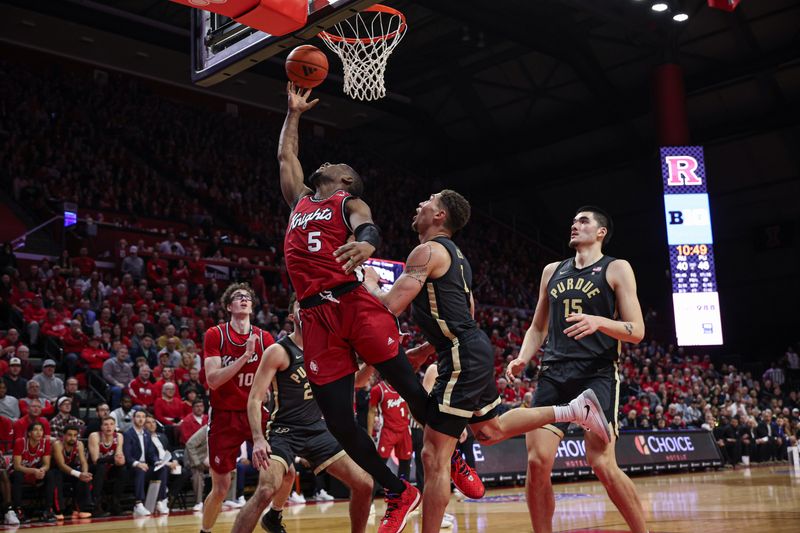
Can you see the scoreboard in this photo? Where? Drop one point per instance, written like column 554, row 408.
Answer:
column 695, row 298
column 388, row 270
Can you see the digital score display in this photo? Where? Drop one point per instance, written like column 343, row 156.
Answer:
column 388, row 270
column 695, row 298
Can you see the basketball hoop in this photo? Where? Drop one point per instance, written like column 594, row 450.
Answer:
column 364, row 43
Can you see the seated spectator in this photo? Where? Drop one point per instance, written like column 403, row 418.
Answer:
column 107, row 464
column 631, row 420
column 33, row 415
column 118, row 375
column 101, row 411
column 71, row 391
column 51, row 386
column 94, row 356
column 172, row 350
column 55, row 326
column 10, row 343
column 32, row 468
column 167, row 376
column 193, row 421
column 27, row 369
column 141, row 457
column 147, row 350
column 143, row 391
column 34, row 393
column 169, row 333
column 6, row 435
column 169, row 409
column 9, row 406
column 186, row 365
column 133, row 264
column 163, row 362
column 64, row 418
column 75, row 341
column 34, row 315
column 765, row 437
column 197, row 460
column 193, row 382
column 123, row 415
column 85, row 313
column 171, row 465
column 71, row 469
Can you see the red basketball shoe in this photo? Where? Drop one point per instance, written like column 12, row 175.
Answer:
column 398, row 507
column 465, row 478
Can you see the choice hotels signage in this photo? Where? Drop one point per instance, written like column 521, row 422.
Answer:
column 639, row 451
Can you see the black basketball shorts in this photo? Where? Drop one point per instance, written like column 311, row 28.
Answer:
column 465, row 390
column 561, row 381
column 313, row 443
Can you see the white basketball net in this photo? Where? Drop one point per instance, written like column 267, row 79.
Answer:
column 364, row 43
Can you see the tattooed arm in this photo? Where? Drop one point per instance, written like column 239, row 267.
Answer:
column 429, row 259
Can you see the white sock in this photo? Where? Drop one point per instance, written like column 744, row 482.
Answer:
column 563, row 413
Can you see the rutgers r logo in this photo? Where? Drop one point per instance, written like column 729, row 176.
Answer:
column 682, row 171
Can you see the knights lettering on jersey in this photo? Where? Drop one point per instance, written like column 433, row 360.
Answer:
column 393, row 407
column 317, row 227
column 585, row 290
column 31, row 456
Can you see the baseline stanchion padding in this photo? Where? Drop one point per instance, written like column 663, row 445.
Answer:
column 276, row 17
column 228, row 8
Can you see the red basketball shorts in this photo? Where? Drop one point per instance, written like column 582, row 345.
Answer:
column 333, row 333
column 227, row 430
column 399, row 440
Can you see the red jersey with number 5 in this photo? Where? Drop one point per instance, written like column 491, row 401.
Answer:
column 316, row 229
column 225, row 342
column 393, row 407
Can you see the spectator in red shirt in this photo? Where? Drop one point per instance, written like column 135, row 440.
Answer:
column 93, row 355
column 193, row 421
column 167, row 376
column 197, row 269
column 169, row 409
column 34, row 315
column 34, row 415
column 7, row 434
column 85, row 263
column 163, row 362
column 34, row 390
column 60, row 308
column 9, row 343
column 182, row 371
column 157, row 269
column 54, row 325
column 141, row 390
column 26, row 367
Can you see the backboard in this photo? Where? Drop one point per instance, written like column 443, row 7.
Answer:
column 222, row 47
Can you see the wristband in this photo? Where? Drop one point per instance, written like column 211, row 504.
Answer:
column 75, row 473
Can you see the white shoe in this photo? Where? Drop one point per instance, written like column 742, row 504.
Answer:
column 447, row 521
column 231, row 504
column 241, row 501
column 323, row 496
column 459, row 495
column 297, row 498
column 11, row 518
column 140, row 510
column 198, row 507
column 162, row 507
column 588, row 413
column 372, row 509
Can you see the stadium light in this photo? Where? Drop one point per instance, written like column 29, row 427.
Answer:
column 659, row 7
column 680, row 17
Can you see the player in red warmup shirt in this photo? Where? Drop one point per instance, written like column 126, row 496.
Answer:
column 340, row 318
column 32, row 467
column 231, row 354
column 395, row 434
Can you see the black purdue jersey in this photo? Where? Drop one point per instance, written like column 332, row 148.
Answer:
column 580, row 290
column 442, row 307
column 292, row 403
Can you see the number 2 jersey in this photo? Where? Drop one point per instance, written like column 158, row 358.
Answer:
column 292, row 403
column 316, row 229
column 225, row 342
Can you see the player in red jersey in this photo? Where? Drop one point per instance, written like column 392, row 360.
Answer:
column 32, row 467
column 231, row 352
column 107, row 465
column 394, row 433
column 339, row 317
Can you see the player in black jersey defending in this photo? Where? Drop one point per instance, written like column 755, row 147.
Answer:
column 587, row 305
column 438, row 278
column 296, row 428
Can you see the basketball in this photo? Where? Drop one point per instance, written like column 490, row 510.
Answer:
column 307, row 66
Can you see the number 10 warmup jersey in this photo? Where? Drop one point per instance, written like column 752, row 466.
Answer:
column 225, row 342
column 316, row 229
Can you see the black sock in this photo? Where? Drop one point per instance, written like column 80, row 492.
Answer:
column 398, row 372
column 335, row 400
column 275, row 514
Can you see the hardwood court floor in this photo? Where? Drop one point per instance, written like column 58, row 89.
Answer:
column 756, row 499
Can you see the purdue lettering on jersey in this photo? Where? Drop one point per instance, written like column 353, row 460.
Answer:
column 580, row 290
column 442, row 307
column 317, row 227
column 292, row 401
